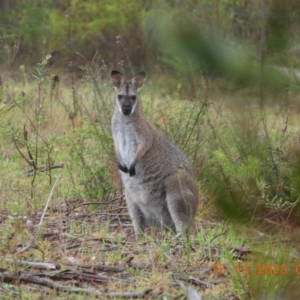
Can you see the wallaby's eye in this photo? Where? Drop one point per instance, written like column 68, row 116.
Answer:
column 119, row 97
column 133, row 97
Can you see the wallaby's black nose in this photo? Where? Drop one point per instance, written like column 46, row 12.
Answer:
column 126, row 110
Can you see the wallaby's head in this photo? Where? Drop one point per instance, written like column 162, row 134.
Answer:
column 127, row 92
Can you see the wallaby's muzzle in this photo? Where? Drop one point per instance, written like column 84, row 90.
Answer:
column 126, row 110
column 127, row 105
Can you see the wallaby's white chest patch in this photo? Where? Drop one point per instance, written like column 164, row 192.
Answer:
column 127, row 143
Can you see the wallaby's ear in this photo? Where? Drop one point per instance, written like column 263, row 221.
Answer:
column 117, row 78
column 138, row 80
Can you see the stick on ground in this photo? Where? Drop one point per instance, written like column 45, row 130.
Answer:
column 32, row 241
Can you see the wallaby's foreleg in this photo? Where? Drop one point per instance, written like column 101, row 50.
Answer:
column 142, row 149
column 122, row 167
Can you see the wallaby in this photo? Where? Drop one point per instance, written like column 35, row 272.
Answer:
column 160, row 186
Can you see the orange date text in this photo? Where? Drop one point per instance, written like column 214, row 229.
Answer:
column 259, row 269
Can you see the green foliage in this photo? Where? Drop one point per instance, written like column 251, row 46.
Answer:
column 252, row 168
column 89, row 168
column 184, row 131
column 36, row 149
column 91, row 146
column 68, row 27
column 5, row 107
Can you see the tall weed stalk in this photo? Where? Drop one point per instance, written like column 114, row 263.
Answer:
column 92, row 165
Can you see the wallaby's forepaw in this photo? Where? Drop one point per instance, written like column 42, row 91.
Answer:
column 131, row 171
column 123, row 168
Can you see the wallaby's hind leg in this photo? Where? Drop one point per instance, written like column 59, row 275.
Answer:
column 136, row 215
column 181, row 203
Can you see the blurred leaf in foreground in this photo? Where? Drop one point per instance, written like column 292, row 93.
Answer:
column 179, row 36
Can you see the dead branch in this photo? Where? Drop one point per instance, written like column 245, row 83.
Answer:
column 80, row 241
column 44, row 169
column 206, row 284
column 35, row 265
column 98, row 203
column 31, row 122
column 32, row 241
column 76, row 275
column 100, row 250
column 31, row 160
column 20, row 152
column 191, row 294
column 102, row 268
column 12, row 277
column 137, row 264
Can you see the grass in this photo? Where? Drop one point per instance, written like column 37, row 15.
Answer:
column 245, row 161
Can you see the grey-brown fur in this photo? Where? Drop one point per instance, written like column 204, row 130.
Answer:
column 160, row 187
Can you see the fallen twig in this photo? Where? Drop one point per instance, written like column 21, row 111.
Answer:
column 30, row 244
column 206, row 284
column 102, row 268
column 79, row 242
column 98, row 203
column 106, row 249
column 12, row 277
column 36, row 265
column 76, row 275
column 191, row 294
